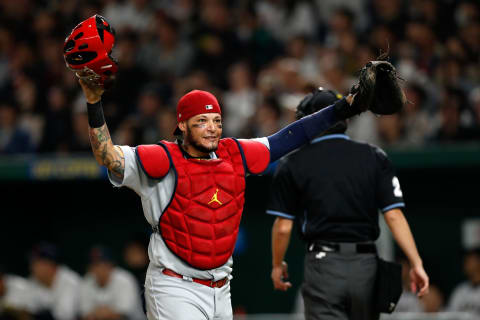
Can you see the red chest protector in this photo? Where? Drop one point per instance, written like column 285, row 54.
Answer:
column 200, row 225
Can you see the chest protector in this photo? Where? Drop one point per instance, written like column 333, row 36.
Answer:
column 200, row 224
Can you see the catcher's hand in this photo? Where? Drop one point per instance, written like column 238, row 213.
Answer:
column 91, row 87
column 378, row 89
column 92, row 79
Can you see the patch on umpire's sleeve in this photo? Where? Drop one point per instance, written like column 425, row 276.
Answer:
column 320, row 255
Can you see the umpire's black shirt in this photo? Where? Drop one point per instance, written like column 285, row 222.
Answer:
column 334, row 188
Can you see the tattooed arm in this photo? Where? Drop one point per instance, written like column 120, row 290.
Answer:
column 105, row 152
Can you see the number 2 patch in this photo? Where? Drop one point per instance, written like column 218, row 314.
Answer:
column 397, row 192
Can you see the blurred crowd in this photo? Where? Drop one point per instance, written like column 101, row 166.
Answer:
column 464, row 298
column 112, row 289
column 53, row 291
column 259, row 58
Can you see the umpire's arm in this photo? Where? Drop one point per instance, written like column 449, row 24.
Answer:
column 398, row 225
column 283, row 204
column 105, row 152
column 281, row 231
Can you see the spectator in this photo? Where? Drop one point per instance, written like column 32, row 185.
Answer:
column 266, row 120
column 135, row 256
column 327, row 8
column 434, row 44
column 300, row 49
column 109, row 292
column 13, row 293
column 451, row 128
column 286, row 19
column 216, row 43
column 240, row 100
column 149, row 104
column 134, row 15
column 57, row 130
column 166, row 124
column 466, row 296
column 390, row 13
column 390, row 129
column 474, row 99
column 434, row 301
column 54, row 287
column 13, row 139
column 80, row 141
column 167, row 54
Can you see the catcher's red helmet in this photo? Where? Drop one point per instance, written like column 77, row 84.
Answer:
column 89, row 46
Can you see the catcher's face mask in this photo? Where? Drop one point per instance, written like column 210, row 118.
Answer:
column 87, row 50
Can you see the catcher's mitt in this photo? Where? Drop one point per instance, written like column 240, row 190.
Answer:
column 378, row 89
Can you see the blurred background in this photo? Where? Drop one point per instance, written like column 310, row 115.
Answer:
column 259, row 58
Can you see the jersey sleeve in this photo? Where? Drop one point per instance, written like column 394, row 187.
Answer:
column 284, row 196
column 133, row 177
column 389, row 194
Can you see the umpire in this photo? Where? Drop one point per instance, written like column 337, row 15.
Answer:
column 333, row 188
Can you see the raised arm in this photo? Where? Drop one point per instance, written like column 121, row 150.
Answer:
column 302, row 131
column 105, row 152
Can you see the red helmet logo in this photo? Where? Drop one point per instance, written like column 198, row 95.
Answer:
column 89, row 46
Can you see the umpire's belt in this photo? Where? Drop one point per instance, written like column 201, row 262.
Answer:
column 205, row 282
column 342, row 247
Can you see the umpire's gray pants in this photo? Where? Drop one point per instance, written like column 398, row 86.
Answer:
column 339, row 286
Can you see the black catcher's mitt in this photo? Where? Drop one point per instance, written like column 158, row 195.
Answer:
column 378, row 89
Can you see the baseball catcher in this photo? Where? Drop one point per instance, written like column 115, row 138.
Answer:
column 192, row 189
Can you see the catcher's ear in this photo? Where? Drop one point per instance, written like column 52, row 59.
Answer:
column 182, row 125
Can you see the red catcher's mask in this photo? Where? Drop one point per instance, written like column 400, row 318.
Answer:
column 89, row 46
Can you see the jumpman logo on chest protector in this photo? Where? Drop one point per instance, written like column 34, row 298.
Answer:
column 214, row 198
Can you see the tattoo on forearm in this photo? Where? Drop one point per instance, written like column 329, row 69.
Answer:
column 105, row 152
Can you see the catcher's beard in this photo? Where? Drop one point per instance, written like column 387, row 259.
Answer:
column 190, row 140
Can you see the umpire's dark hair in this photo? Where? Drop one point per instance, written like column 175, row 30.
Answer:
column 317, row 100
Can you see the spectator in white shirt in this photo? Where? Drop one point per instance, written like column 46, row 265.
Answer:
column 13, row 290
column 54, row 291
column 466, row 296
column 109, row 292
